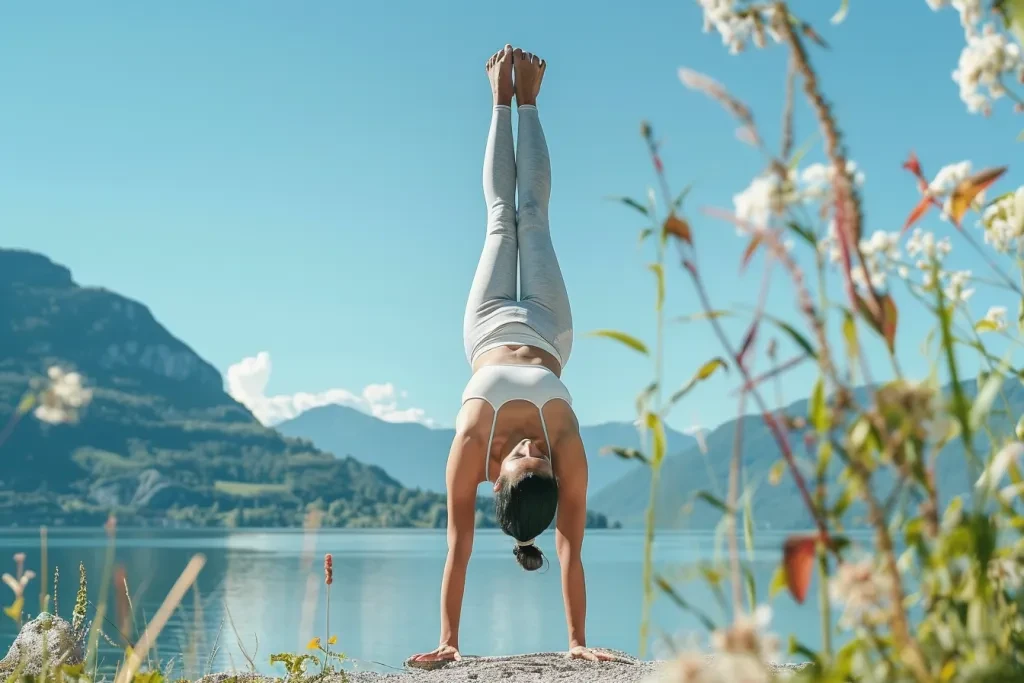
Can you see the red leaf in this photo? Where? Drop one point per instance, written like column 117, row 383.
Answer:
column 913, row 165
column 919, row 210
column 755, row 242
column 968, row 189
column 798, row 563
column 678, row 227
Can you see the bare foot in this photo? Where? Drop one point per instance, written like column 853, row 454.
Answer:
column 499, row 72
column 529, row 73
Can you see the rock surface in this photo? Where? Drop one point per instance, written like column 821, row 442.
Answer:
column 546, row 667
column 28, row 648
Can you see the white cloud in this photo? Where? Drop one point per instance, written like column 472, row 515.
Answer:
column 247, row 383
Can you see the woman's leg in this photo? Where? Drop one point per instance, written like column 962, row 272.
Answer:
column 541, row 282
column 494, row 284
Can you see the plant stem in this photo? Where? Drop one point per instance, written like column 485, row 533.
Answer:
column 766, row 415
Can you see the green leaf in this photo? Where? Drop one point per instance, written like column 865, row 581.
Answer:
column 778, row 582
column 800, row 340
column 818, row 410
column 632, row 203
column 703, row 315
column 659, row 273
column 751, row 586
column 702, row 374
column 748, row 526
column 678, row 203
column 624, row 453
column 644, row 397
column 839, row 16
column 28, row 401
column 656, row 426
column 802, row 151
column 803, row 233
column 850, row 335
column 985, row 326
column 668, row 590
column 986, row 396
column 712, row 500
column 622, row 338
column 645, row 233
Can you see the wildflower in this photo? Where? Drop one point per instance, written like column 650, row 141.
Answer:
column 1003, row 221
column 764, row 197
column 1007, row 572
column 748, row 635
column 62, row 398
column 923, row 245
column 957, row 289
column 986, row 59
column 996, row 317
column 18, row 585
column 912, row 409
column 862, row 590
column 737, row 27
column 817, row 178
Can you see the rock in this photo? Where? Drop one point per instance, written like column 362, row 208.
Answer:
column 27, row 649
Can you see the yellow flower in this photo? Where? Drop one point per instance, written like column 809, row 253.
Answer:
column 314, row 644
column 14, row 611
column 332, row 640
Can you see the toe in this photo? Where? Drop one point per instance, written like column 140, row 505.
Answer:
column 535, row 59
column 517, row 54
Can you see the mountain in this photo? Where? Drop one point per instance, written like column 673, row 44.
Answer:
column 780, row 506
column 161, row 442
column 415, row 455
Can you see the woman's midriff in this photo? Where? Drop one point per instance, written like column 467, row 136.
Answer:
column 516, row 354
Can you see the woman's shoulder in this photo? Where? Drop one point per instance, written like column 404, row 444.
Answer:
column 474, row 420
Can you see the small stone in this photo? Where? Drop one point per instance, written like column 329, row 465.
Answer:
column 27, row 649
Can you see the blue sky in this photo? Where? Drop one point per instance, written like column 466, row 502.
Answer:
column 303, row 179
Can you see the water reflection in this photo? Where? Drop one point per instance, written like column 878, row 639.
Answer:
column 386, row 592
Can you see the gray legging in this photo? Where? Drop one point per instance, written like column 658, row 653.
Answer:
column 494, row 314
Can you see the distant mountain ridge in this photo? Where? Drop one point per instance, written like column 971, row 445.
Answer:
column 415, row 455
column 778, row 507
column 161, row 442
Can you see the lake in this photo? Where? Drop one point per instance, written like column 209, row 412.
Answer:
column 384, row 601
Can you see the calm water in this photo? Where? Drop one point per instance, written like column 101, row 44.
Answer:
column 384, row 601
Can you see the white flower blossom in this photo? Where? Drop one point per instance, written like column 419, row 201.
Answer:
column 769, row 195
column 764, row 197
column 737, row 28
column 748, row 635
column 863, row 592
column 62, row 398
column 817, row 179
column 1003, row 221
column 985, row 61
column 923, row 246
column 880, row 251
column 957, row 289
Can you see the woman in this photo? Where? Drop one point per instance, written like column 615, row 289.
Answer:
column 516, row 427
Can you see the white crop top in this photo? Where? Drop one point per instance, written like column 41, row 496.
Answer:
column 499, row 384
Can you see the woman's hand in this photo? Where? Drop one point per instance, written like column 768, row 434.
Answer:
column 584, row 652
column 430, row 660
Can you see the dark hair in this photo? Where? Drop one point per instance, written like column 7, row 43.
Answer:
column 524, row 510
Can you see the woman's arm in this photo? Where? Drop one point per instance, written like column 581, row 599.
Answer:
column 461, row 487
column 569, row 527
column 464, row 465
